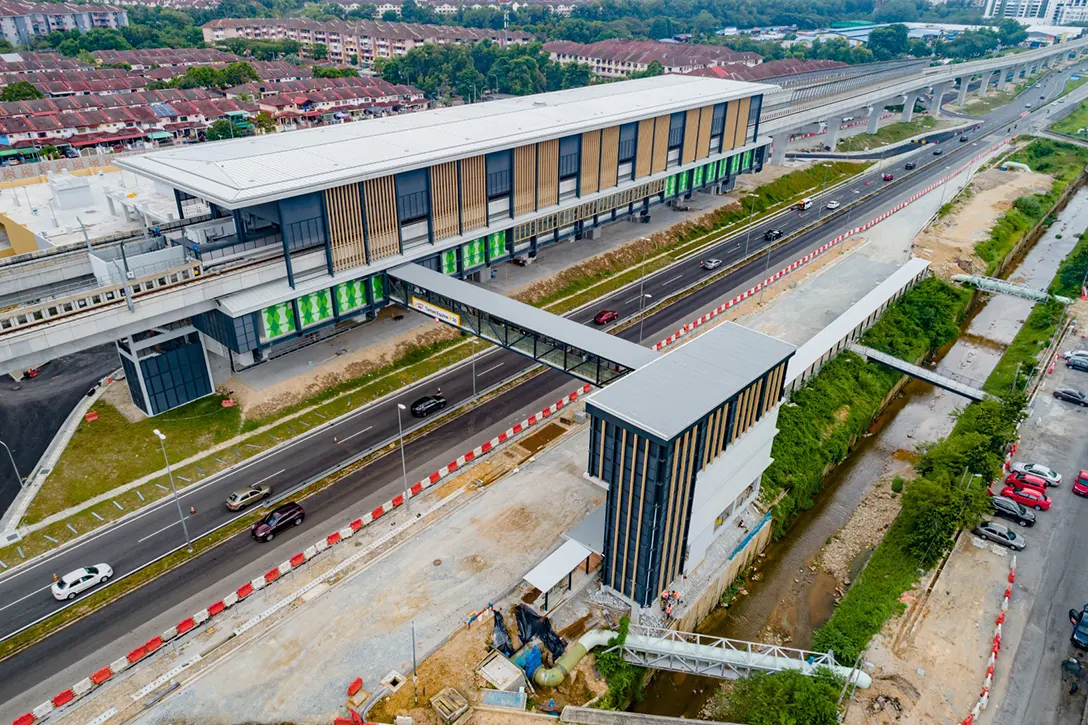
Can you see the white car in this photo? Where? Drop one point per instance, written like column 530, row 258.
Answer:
column 832, row 204
column 75, row 582
column 1069, row 354
column 1052, row 477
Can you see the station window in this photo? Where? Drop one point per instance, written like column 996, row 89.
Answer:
column 753, row 119
column 413, row 206
column 569, row 161
column 676, row 137
column 628, row 139
column 717, row 126
column 498, row 185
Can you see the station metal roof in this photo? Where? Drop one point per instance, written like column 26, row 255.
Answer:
column 607, row 347
column 258, row 169
column 667, row 396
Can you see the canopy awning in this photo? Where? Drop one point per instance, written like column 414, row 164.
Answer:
column 557, row 565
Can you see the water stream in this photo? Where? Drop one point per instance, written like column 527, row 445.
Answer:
column 790, row 599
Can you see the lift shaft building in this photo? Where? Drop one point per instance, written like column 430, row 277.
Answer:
column 682, row 444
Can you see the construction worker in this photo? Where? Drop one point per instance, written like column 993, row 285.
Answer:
column 676, row 598
column 668, row 611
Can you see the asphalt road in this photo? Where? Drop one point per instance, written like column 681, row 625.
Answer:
column 32, row 410
column 1052, row 572
column 24, row 595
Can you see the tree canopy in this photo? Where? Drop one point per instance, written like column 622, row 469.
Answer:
column 20, row 91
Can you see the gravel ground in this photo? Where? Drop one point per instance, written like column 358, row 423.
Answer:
column 362, row 626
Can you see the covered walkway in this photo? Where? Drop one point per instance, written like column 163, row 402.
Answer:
column 590, row 355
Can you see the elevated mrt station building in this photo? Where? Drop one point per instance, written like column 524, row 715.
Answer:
column 284, row 236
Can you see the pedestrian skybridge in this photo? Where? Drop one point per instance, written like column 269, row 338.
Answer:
column 590, row 355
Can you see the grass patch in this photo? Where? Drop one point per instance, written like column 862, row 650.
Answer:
column 892, row 133
column 839, row 403
column 997, row 99
column 1073, row 84
column 1065, row 162
column 1074, row 121
column 624, row 679
column 111, row 451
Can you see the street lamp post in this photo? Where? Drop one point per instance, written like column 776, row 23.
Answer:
column 751, row 212
column 474, row 368
column 170, row 473
column 403, row 465
column 641, row 318
column 766, row 270
column 12, row 459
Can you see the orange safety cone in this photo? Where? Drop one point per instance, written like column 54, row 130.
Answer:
column 335, row 440
column 192, row 510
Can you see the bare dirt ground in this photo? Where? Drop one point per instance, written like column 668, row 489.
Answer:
column 928, row 664
column 117, row 395
column 949, row 242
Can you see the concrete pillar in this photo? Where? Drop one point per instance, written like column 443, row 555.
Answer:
column 909, row 100
column 939, row 92
column 961, row 98
column 834, row 129
column 874, row 118
column 778, row 151
column 987, row 79
column 1001, row 76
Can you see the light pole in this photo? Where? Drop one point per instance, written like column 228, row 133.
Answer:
column 641, row 318
column 751, row 211
column 181, row 515
column 766, row 270
column 12, row 459
column 474, row 368
column 403, row 466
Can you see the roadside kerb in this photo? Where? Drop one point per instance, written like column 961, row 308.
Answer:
column 995, row 647
column 103, row 675
column 691, row 326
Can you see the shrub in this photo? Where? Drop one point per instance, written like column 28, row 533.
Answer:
column 780, row 698
column 624, row 679
column 897, row 484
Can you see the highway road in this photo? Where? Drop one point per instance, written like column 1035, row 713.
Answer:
column 24, row 595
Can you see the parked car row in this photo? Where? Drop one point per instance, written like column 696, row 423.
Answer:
column 1024, row 493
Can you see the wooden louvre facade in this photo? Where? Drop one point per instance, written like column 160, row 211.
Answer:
column 702, row 143
column 743, row 107
column 610, row 156
column 591, row 162
column 644, row 147
column 547, row 173
column 473, row 193
column 347, row 238
column 383, row 230
column 445, row 200
column 691, row 136
column 661, row 144
column 524, row 179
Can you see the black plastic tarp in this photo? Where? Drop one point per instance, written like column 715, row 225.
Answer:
column 501, row 638
column 532, row 626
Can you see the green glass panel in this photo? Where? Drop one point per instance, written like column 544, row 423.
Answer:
column 472, row 253
column 315, row 308
column 685, row 182
column 279, row 320
column 496, row 245
column 350, row 296
column 449, row 261
column 711, row 171
column 377, row 288
column 698, row 176
column 747, row 163
column 670, row 186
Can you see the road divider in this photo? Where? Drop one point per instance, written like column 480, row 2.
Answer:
column 102, row 676
column 995, row 647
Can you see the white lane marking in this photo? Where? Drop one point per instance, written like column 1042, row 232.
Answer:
column 348, row 438
column 28, row 596
column 156, row 533
column 668, row 281
column 493, row 367
column 272, row 475
column 633, row 299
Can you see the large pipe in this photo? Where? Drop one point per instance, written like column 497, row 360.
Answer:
column 741, row 659
column 553, row 676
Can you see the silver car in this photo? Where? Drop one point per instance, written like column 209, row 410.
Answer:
column 243, row 497
column 1001, row 535
column 1052, row 477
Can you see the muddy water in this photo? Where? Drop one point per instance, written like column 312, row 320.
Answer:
column 790, row 600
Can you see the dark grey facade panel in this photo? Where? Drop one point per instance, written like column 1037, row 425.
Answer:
column 236, row 333
column 133, row 381
column 176, row 376
column 302, row 220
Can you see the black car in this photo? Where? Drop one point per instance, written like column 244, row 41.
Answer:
column 911, row 165
column 1079, row 636
column 1078, row 363
column 963, row 139
column 428, row 404
column 289, row 514
column 773, row 234
column 1006, row 508
column 1072, row 396
column 938, row 152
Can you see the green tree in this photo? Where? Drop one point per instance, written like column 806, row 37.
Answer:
column 889, row 42
column 264, row 122
column 20, row 91
column 654, row 69
column 319, row 51
column 219, row 130
column 391, row 16
column 69, row 47
column 781, row 698
column 1011, row 33
column 897, row 11
column 322, row 72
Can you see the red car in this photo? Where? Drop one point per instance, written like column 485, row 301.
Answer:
column 1080, row 484
column 604, row 317
column 1028, row 497
column 1018, row 479
column 888, row 177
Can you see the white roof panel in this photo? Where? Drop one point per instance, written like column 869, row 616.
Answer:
column 559, row 563
column 253, row 170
